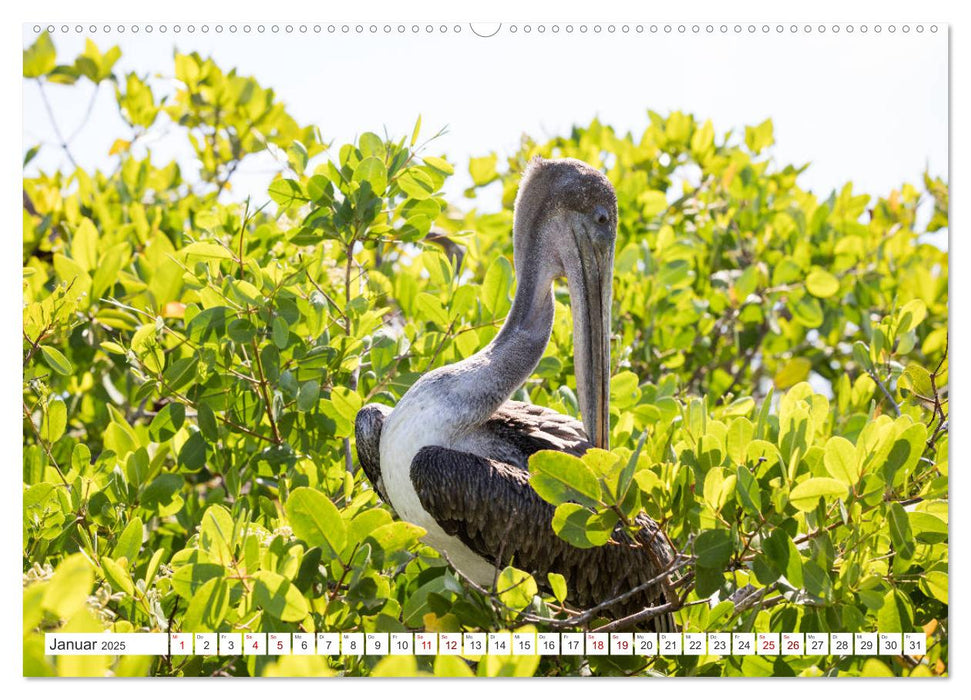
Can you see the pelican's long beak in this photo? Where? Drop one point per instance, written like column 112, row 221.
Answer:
column 590, row 295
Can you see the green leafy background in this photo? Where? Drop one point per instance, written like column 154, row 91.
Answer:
column 193, row 365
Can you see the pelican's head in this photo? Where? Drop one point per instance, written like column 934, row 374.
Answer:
column 565, row 226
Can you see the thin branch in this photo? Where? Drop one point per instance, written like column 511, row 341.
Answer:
column 876, row 378
column 87, row 114
column 44, row 444
column 265, row 390
column 57, row 129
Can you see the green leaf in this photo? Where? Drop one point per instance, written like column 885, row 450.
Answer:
column 896, row 614
column 399, row 666
column 900, row 533
column 84, row 245
column 56, row 361
column 206, row 420
column 316, row 520
column 439, row 164
column 559, row 477
column 717, row 488
column 417, row 605
column 861, row 353
column 747, row 490
column 397, row 536
column 516, row 588
column 781, row 551
column 188, row 579
column 281, row 332
column 794, row 371
column 69, row 586
column 935, row 583
column 910, row 316
column 624, row 391
column 208, row 607
column 274, row 594
column 874, row 668
column 841, row 461
column 216, row 534
column 152, row 567
column 496, row 287
column 713, row 549
column 904, row 453
column 286, row 193
column 822, row 284
column 416, row 184
column 558, row 585
column 117, row 576
column 373, row 171
column 708, row 580
column 430, row 307
column 207, row 251
column 807, row 312
column 918, row 380
column 192, row 456
column 414, row 132
column 167, row 422
column 927, row 528
column 55, row 422
column 41, row 58
column 581, row 527
column 297, row 156
column 806, row 495
column 346, row 401
column 113, row 348
column 759, row 137
column 483, row 170
column 445, row 667
column 308, row 395
column 162, row 495
column 129, row 541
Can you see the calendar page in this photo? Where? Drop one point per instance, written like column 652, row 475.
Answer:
column 434, row 348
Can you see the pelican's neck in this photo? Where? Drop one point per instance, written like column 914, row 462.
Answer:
column 486, row 380
column 522, row 340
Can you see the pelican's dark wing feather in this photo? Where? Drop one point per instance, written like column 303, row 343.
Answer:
column 367, row 433
column 529, row 428
column 490, row 506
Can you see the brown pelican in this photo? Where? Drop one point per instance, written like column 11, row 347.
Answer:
column 452, row 455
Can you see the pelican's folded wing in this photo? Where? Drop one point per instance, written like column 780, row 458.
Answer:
column 528, row 428
column 367, row 434
column 490, row 506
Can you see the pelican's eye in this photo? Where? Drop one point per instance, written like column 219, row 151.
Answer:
column 601, row 215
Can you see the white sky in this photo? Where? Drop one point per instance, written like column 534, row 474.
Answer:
column 868, row 108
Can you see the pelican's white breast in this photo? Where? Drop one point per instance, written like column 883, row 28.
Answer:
column 420, row 419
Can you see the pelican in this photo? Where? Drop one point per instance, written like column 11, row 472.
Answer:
column 452, row 456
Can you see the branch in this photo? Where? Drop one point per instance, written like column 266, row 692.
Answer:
column 57, row 129
column 876, row 378
column 265, row 390
column 44, row 444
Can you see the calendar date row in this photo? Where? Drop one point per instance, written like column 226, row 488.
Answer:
column 497, row 643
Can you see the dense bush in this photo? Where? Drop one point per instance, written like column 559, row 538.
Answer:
column 193, row 366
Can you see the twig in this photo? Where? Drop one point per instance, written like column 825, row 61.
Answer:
column 642, row 616
column 265, row 390
column 43, row 443
column 57, row 130
column 87, row 114
column 876, row 378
